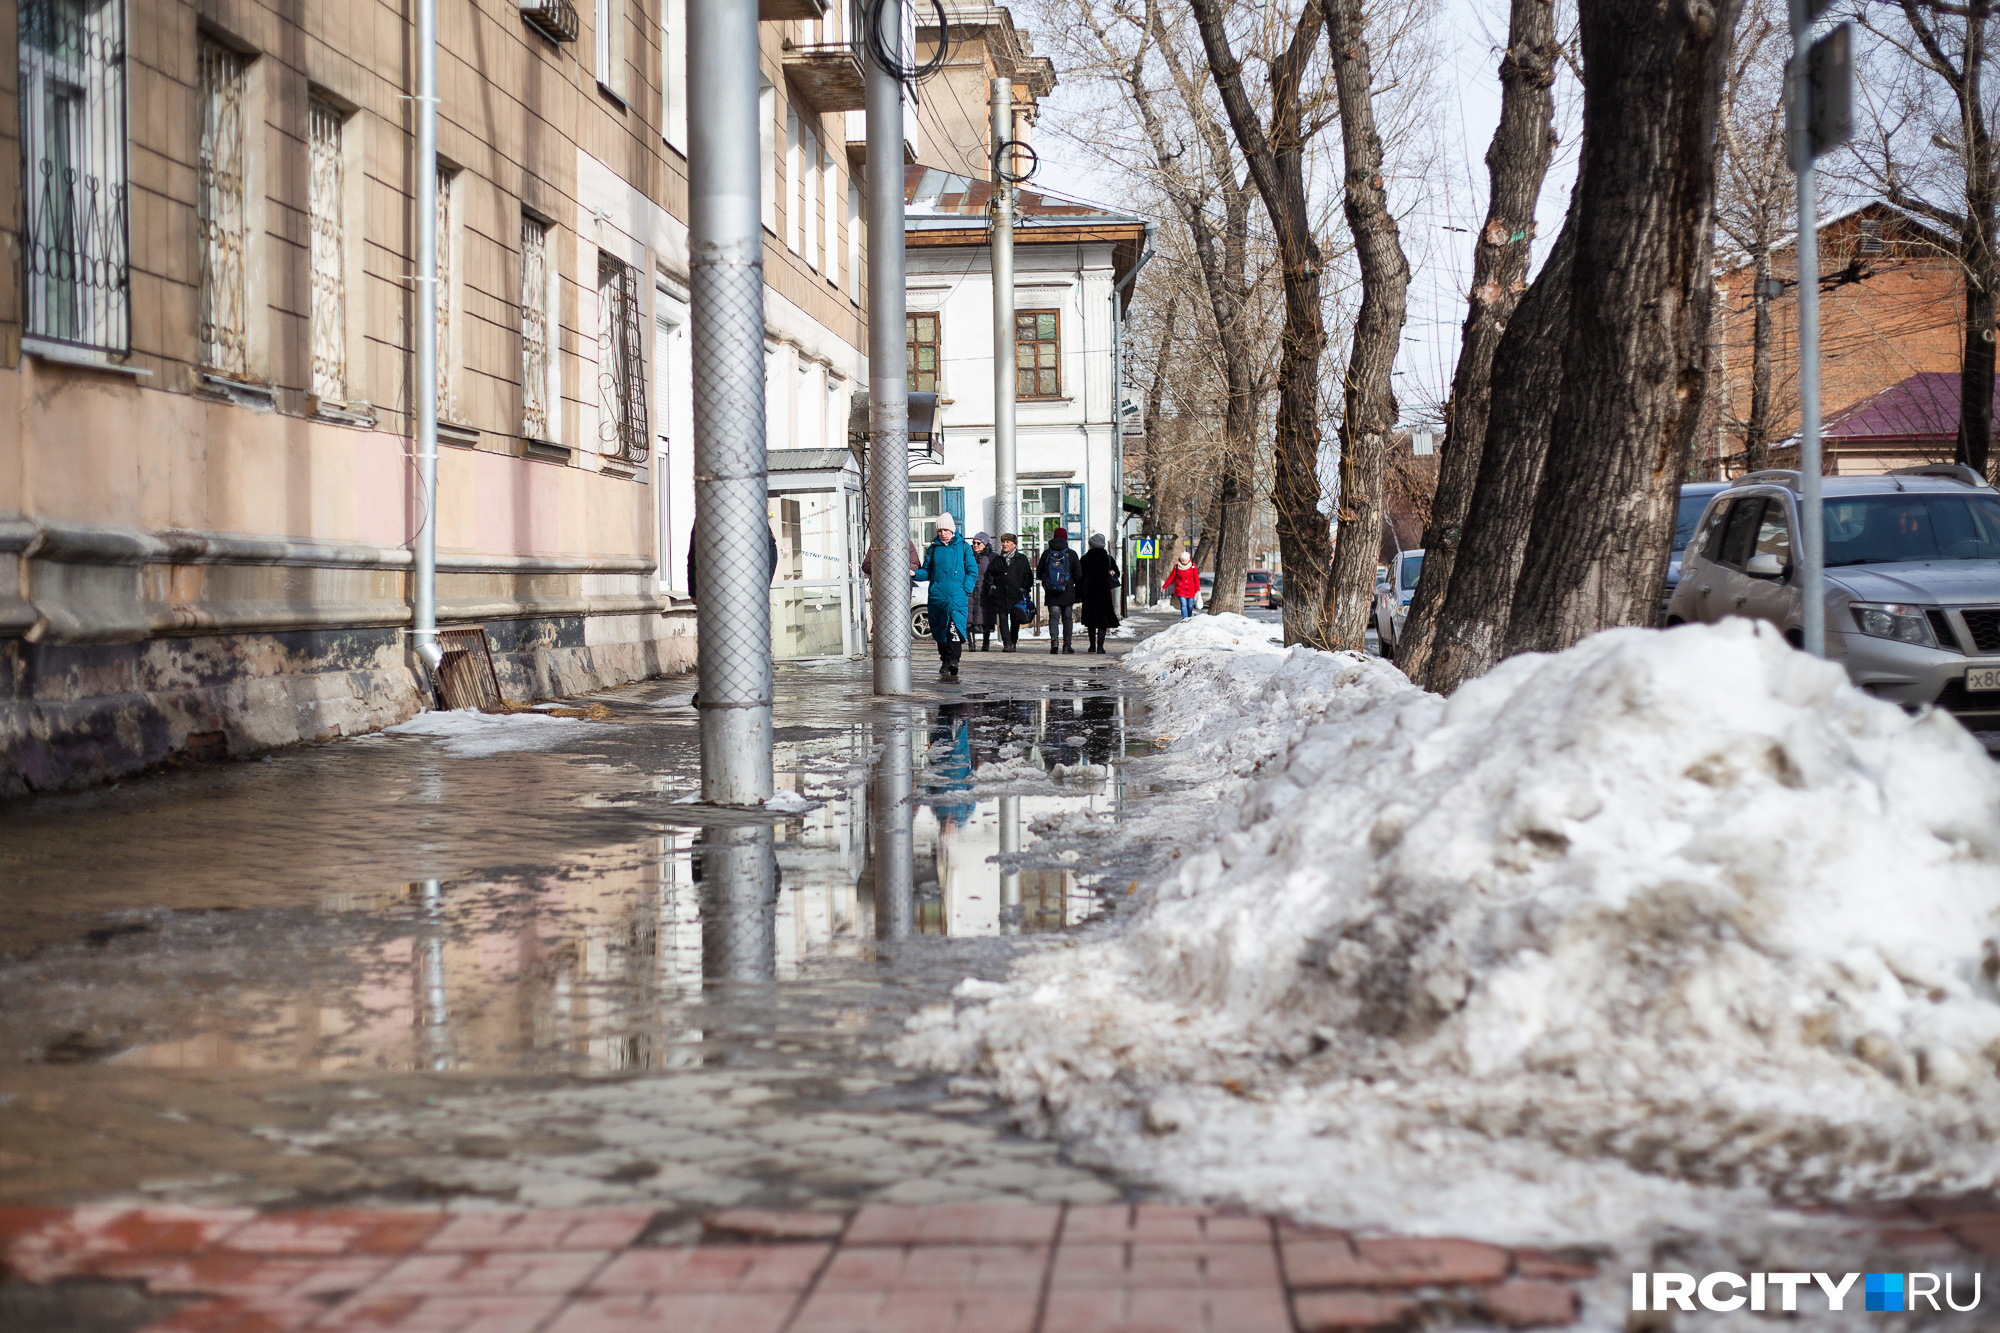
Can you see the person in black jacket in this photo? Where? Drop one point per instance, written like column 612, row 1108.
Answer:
column 1097, row 591
column 979, row 614
column 1010, row 583
column 1057, row 570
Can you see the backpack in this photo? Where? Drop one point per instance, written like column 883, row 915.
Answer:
column 1057, row 580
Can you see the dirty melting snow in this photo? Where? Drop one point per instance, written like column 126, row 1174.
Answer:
column 1636, row 935
column 468, row 734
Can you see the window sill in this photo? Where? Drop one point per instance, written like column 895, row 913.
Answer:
column 358, row 415
column 545, row 450
column 66, row 354
column 1039, row 398
column 612, row 94
column 243, row 393
column 465, row 437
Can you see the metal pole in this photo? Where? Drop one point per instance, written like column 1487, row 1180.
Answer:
column 888, row 376
column 726, row 321
column 423, row 594
column 1010, row 844
column 739, row 917
column 891, row 816
column 1001, row 111
column 1812, row 517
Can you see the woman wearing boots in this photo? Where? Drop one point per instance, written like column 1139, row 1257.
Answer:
column 1097, row 589
column 1057, row 570
column 979, row 614
column 1010, row 581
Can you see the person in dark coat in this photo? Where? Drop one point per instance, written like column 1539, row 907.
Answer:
column 1058, row 572
column 1010, row 583
column 951, row 571
column 1097, row 593
column 979, row 614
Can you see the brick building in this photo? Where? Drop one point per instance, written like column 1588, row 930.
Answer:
column 206, row 480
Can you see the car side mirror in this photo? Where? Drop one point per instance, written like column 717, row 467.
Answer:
column 1764, row 565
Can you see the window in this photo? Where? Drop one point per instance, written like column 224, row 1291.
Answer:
column 673, row 74
column 767, row 152
column 792, row 179
column 621, row 363
column 926, row 503
column 1037, row 353
column 1733, row 537
column 327, row 191
column 853, row 240
column 1041, row 515
column 536, row 362
column 220, row 213
column 447, row 390
column 1774, row 534
column 922, row 333
column 833, row 198
column 809, row 194
column 76, row 258
column 1871, row 236
column 611, row 21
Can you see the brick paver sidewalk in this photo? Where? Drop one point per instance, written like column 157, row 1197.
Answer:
column 961, row 1268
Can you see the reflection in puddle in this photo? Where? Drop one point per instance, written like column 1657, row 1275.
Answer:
column 650, row 952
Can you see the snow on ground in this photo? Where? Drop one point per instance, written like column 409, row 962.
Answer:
column 467, row 734
column 1638, row 937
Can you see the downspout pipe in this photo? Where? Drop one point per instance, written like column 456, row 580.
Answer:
column 423, row 610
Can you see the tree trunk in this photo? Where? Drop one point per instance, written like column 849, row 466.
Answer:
column 1471, row 626
column 1236, row 504
column 1757, row 433
column 1635, row 365
column 1977, row 245
column 1368, row 418
column 1517, row 161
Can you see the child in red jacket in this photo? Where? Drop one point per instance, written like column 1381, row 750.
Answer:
column 1184, row 582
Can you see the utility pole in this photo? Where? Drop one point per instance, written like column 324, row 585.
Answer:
column 1002, row 116
column 423, row 592
column 732, row 535
column 888, row 375
column 1819, row 117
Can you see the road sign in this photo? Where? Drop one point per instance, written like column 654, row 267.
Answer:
column 1146, row 548
column 1830, row 117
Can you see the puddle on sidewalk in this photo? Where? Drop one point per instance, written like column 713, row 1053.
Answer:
column 637, row 940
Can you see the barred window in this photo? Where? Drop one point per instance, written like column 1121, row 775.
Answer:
column 535, row 359
column 621, row 363
column 921, row 331
column 329, row 253
column 76, row 256
column 220, row 212
column 447, row 394
column 1037, row 354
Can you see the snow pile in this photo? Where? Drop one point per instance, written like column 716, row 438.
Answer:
column 1010, row 774
column 789, row 803
column 1607, row 939
column 468, row 734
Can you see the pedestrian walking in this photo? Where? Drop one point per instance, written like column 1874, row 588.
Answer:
column 951, row 571
column 1057, row 570
column 981, row 609
column 1185, row 583
column 1011, row 582
column 1097, row 593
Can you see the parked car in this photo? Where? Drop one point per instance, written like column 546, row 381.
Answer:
column 1695, row 496
column 1261, row 588
column 1912, row 578
column 1392, row 598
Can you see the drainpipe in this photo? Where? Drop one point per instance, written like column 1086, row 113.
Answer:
column 423, row 609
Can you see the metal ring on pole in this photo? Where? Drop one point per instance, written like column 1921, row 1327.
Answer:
column 892, row 63
column 1016, row 177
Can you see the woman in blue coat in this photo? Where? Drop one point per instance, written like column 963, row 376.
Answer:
column 952, row 571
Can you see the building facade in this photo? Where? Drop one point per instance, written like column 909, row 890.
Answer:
column 207, row 498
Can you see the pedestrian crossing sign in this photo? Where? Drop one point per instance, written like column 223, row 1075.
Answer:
column 1146, row 548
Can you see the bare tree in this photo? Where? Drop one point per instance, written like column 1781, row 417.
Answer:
column 1517, row 162
column 1635, row 360
column 1934, row 157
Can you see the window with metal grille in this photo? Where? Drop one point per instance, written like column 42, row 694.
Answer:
column 221, row 214
column 922, row 332
column 535, row 358
column 621, row 363
column 1871, row 236
column 329, row 252
column 447, row 389
column 1037, row 354
column 75, row 253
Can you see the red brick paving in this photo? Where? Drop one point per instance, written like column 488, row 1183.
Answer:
column 947, row 1269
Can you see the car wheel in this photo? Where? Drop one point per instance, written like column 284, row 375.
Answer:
column 920, row 623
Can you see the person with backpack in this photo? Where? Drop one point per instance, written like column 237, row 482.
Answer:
column 1010, row 581
column 1185, row 583
column 951, row 570
column 1057, row 570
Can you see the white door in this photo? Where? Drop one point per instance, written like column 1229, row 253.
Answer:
column 673, row 442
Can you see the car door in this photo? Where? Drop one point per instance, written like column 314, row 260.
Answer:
column 1722, row 587
column 1770, row 596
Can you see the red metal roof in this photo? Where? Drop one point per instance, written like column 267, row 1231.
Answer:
column 1923, row 408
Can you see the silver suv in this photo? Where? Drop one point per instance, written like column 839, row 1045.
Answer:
column 1912, row 578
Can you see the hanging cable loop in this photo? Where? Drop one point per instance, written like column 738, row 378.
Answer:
column 878, row 49
column 1015, row 176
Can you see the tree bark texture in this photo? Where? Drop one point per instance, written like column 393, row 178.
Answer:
column 1757, row 432
column 1470, row 631
column 1517, row 161
column 1636, row 360
column 1368, row 416
column 1277, row 166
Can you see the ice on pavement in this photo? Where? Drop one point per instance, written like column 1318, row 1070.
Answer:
column 468, row 734
column 1639, row 935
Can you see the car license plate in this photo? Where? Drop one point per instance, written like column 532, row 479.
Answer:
column 1983, row 678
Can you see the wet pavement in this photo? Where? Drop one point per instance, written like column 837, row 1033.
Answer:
column 410, row 967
